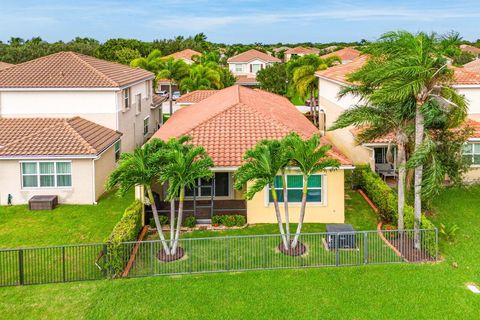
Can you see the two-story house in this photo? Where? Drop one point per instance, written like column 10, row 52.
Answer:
column 69, row 84
column 246, row 65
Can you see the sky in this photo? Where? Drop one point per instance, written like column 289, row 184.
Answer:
column 235, row 21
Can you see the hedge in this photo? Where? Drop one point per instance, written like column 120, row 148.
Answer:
column 127, row 229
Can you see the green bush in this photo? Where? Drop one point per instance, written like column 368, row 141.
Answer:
column 189, row 222
column 229, row 221
column 240, row 220
column 127, row 229
column 163, row 221
column 217, row 219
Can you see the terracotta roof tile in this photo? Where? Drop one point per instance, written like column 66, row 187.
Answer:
column 234, row 119
column 473, row 66
column 4, row 65
column 345, row 54
column 53, row 137
column 302, row 50
column 195, row 96
column 475, row 125
column 253, row 54
column 466, row 76
column 470, row 49
column 341, row 71
column 246, row 79
column 186, row 54
column 158, row 99
column 70, row 70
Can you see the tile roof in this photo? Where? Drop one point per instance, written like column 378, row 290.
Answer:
column 234, row 119
column 339, row 72
column 473, row 65
column 4, row 65
column 302, row 50
column 186, row 54
column 28, row 137
column 469, row 48
column 253, row 54
column 195, row 96
column 70, row 70
column 475, row 125
column 246, row 79
column 465, row 76
column 158, row 99
column 345, row 54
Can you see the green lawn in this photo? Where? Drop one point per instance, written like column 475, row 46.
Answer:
column 430, row 291
column 67, row 224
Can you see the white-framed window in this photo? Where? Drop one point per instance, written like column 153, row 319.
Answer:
column 126, row 99
column 46, row 174
column 118, row 147
column 471, row 153
column 148, row 89
column 239, row 68
column 255, row 67
column 138, row 102
column 295, row 188
column 145, row 125
column 221, row 186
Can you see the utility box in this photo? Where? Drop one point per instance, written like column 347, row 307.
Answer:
column 42, row 202
column 346, row 236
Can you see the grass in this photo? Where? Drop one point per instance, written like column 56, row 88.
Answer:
column 67, row 224
column 431, row 291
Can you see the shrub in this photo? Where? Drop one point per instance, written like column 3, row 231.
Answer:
column 163, row 221
column 240, row 220
column 448, row 233
column 127, row 229
column 217, row 219
column 189, row 222
column 229, row 221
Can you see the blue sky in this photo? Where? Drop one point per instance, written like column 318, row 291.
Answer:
column 234, row 21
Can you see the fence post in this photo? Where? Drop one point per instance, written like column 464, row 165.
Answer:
column 337, row 252
column 20, row 266
column 226, row 253
column 365, row 247
column 63, row 264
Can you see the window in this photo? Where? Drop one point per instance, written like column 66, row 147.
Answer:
column 148, row 89
column 145, row 125
column 126, row 99
column 380, row 155
column 295, row 187
column 118, row 146
column 222, row 186
column 471, row 153
column 239, row 68
column 138, row 102
column 254, row 68
column 45, row 174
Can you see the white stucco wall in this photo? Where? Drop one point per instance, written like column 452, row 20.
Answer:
column 473, row 97
column 246, row 67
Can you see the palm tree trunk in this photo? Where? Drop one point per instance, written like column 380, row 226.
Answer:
column 157, row 221
column 170, row 96
column 279, row 218
column 285, row 205
column 419, row 132
column 172, row 220
column 179, row 220
column 401, row 181
column 302, row 211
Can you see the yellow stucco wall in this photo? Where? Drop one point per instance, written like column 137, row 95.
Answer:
column 332, row 210
column 103, row 168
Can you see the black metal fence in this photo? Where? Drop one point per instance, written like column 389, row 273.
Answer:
column 215, row 254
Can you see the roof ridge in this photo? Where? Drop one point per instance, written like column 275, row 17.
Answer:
column 80, row 58
column 68, row 124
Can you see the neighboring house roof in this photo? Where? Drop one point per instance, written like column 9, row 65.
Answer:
column 186, row 54
column 469, row 48
column 246, row 79
column 158, row 100
column 340, row 72
column 4, row 65
column 278, row 49
column 475, row 125
column 252, row 54
column 466, row 77
column 32, row 137
column 302, row 50
column 234, row 119
column 70, row 70
column 195, row 96
column 473, row 65
column 345, row 54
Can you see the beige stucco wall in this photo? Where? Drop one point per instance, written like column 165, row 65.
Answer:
column 473, row 175
column 104, row 166
column 81, row 191
column 332, row 210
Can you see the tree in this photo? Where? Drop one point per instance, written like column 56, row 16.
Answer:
column 126, row 55
column 310, row 157
column 174, row 71
column 201, row 77
column 140, row 168
column 274, row 78
column 262, row 165
column 151, row 63
column 405, row 65
column 184, row 165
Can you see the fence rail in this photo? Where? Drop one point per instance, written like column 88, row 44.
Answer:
column 215, row 254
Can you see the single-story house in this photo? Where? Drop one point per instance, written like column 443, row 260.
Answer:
column 67, row 157
column 228, row 123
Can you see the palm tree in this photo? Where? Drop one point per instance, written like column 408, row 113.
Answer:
column 310, row 157
column 262, row 165
column 405, row 65
column 151, row 63
column 174, row 71
column 201, row 78
column 378, row 121
column 184, row 165
column 140, row 168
